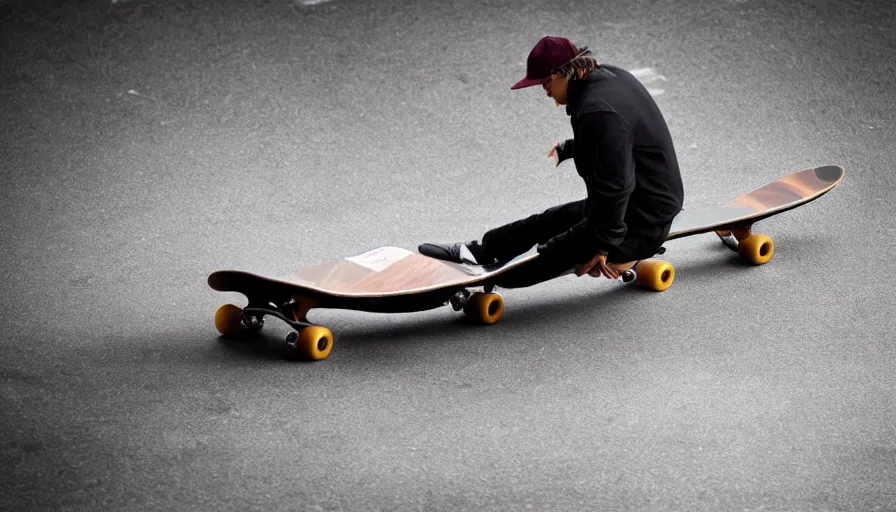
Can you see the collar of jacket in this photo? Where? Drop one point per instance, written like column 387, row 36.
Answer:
column 575, row 89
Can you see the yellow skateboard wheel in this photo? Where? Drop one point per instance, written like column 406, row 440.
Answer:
column 315, row 342
column 229, row 320
column 486, row 308
column 656, row 275
column 757, row 249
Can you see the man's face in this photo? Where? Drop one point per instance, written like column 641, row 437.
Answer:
column 556, row 88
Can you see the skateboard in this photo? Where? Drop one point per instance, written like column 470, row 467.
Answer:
column 392, row 279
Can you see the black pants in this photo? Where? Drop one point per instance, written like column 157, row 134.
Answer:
column 510, row 240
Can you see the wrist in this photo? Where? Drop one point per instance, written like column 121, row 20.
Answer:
column 565, row 150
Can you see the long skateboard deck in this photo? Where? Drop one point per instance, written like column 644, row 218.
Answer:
column 393, row 279
column 387, row 272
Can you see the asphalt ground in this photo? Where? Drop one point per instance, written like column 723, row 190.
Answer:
column 144, row 145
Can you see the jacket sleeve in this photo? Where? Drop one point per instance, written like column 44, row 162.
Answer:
column 604, row 148
column 566, row 150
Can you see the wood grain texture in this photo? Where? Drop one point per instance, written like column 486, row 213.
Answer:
column 794, row 188
column 780, row 195
column 412, row 271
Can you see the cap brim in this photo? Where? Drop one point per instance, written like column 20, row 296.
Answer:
column 528, row 82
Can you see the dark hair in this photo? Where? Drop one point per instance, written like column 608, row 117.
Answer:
column 579, row 67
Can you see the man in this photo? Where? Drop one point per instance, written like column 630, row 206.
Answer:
column 624, row 153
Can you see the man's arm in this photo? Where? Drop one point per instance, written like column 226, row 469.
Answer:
column 562, row 151
column 565, row 150
column 609, row 180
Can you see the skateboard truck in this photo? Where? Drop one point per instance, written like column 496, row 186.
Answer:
column 292, row 341
column 732, row 238
column 253, row 315
column 309, row 340
column 253, row 322
column 631, row 274
column 459, row 299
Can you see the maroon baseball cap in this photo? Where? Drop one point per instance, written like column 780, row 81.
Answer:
column 548, row 54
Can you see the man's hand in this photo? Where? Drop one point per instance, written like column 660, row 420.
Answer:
column 555, row 154
column 598, row 266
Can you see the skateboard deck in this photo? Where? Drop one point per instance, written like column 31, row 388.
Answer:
column 783, row 194
column 393, row 279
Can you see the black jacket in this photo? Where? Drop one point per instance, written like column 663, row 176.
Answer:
column 624, row 153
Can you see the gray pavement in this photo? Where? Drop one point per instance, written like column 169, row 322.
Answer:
column 145, row 145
